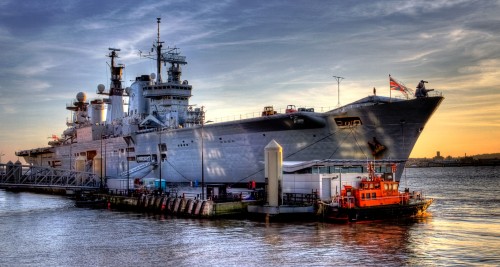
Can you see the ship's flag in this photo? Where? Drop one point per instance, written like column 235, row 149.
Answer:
column 397, row 86
column 54, row 137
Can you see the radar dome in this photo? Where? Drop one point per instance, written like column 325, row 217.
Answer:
column 185, row 82
column 153, row 76
column 100, row 88
column 81, row 97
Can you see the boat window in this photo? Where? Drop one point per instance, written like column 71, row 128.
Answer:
column 386, row 187
column 346, row 169
column 367, row 195
column 374, row 195
column 362, row 195
column 355, row 169
column 395, row 187
column 365, row 186
column 371, row 186
column 323, row 169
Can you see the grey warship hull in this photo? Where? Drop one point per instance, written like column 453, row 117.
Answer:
column 234, row 151
column 162, row 136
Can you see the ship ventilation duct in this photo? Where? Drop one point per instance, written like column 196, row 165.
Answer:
column 96, row 111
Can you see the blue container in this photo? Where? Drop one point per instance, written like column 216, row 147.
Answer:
column 163, row 184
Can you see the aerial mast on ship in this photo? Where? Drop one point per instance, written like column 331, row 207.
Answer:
column 172, row 56
column 158, row 48
column 115, row 100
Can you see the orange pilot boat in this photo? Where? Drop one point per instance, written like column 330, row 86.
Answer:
column 375, row 198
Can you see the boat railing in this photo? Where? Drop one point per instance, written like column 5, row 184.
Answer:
column 417, row 196
column 346, row 202
column 347, row 107
column 435, row 93
column 404, row 198
column 413, row 197
column 257, row 114
column 299, row 199
column 137, row 168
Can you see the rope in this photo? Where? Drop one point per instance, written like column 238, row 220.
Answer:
column 178, row 171
column 335, row 151
column 247, row 176
column 356, row 140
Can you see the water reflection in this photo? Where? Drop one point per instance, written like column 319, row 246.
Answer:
column 302, row 243
column 461, row 228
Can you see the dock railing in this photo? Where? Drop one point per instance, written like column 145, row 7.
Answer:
column 44, row 176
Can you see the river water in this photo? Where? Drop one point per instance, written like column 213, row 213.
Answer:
column 462, row 227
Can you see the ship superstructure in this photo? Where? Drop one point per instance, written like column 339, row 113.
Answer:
column 162, row 135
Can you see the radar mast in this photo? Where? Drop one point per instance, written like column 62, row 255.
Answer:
column 158, row 47
column 171, row 56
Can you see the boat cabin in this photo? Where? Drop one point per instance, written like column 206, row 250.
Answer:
column 332, row 179
column 370, row 193
column 376, row 190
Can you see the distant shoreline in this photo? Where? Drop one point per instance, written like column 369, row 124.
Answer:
column 430, row 163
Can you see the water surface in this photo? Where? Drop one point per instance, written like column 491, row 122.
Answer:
column 462, row 227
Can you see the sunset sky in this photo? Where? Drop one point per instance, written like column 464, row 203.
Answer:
column 244, row 55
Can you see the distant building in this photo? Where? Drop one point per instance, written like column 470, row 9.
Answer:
column 438, row 157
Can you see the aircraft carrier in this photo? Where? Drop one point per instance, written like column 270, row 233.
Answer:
column 162, row 135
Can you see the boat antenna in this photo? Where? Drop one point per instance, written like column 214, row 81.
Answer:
column 403, row 122
column 338, row 78
column 158, row 47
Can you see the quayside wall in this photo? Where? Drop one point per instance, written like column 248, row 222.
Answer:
column 49, row 190
column 159, row 204
column 177, row 206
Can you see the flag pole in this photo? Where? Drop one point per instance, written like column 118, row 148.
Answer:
column 390, row 91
